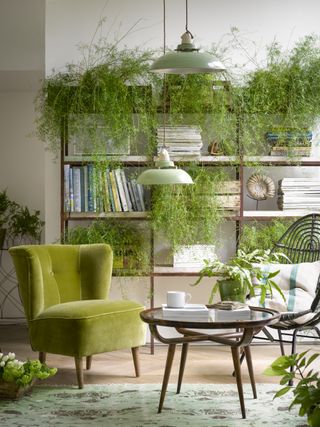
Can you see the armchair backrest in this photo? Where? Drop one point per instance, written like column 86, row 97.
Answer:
column 301, row 243
column 53, row 274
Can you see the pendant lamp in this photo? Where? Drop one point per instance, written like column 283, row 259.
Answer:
column 165, row 172
column 186, row 59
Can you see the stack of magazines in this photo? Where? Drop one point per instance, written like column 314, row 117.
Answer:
column 230, row 310
column 179, row 141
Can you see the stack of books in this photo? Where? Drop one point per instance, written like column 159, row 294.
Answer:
column 190, row 312
column 90, row 189
column 290, row 143
column 229, row 311
column 299, row 194
column 179, row 141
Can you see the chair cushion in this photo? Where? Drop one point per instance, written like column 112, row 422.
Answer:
column 83, row 328
column 298, row 283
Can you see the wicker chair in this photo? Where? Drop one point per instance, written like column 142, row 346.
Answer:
column 301, row 243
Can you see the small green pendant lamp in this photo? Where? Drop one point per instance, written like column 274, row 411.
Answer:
column 164, row 173
column 186, row 59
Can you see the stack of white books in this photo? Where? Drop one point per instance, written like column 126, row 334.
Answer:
column 299, row 193
column 190, row 312
column 179, row 141
column 239, row 311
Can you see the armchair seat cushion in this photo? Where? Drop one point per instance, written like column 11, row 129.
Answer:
column 86, row 327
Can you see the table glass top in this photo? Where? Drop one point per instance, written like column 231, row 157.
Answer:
column 212, row 316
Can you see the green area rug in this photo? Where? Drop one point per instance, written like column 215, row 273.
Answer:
column 136, row 405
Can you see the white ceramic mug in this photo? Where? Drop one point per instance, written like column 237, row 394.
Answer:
column 177, row 299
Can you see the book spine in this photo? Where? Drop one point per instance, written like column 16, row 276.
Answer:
column 141, row 198
column 126, row 191
column 131, row 195
column 66, row 188
column 82, row 193
column 77, row 188
column 110, row 193
column 136, row 195
column 85, row 185
column 121, row 192
column 105, row 192
column 71, row 190
column 91, row 189
column 115, row 192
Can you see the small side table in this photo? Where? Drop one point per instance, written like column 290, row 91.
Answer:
column 241, row 334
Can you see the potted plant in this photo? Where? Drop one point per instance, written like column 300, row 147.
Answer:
column 22, row 223
column 307, row 391
column 5, row 205
column 16, row 377
column 241, row 276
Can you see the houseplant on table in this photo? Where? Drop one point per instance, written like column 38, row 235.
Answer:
column 241, row 276
column 307, row 391
column 17, row 377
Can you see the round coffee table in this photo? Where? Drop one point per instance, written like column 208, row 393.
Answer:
column 239, row 334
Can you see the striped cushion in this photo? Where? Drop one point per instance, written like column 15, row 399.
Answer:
column 298, row 283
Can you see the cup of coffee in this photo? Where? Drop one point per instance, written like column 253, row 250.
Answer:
column 177, row 299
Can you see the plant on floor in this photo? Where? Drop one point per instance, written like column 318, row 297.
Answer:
column 23, row 373
column 130, row 243
column 307, row 391
column 241, row 276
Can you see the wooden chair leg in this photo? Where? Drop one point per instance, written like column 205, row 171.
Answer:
column 183, row 359
column 79, row 370
column 42, row 357
column 135, row 355
column 88, row 362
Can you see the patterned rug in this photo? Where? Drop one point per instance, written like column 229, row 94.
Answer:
column 198, row 405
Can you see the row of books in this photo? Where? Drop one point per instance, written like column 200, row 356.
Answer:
column 299, row 193
column 290, row 151
column 289, row 138
column 180, row 140
column 90, row 189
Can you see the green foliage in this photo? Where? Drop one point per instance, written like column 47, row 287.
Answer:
column 22, row 373
column 243, row 269
column 18, row 220
column 307, row 391
column 188, row 214
column 110, row 84
column 130, row 243
column 257, row 235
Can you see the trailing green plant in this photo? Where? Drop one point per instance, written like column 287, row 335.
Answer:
column 130, row 244
column 257, row 235
column 307, row 391
column 109, row 89
column 189, row 214
column 243, row 268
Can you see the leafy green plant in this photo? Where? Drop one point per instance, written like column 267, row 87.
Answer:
column 22, row 223
column 307, row 391
column 263, row 236
column 243, row 269
column 188, row 214
column 5, row 205
column 130, row 244
column 23, row 373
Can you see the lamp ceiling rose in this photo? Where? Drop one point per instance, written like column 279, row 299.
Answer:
column 186, row 43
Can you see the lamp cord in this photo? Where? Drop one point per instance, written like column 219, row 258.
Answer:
column 187, row 20
column 164, row 78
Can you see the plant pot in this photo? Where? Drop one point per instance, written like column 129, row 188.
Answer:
column 232, row 290
column 10, row 390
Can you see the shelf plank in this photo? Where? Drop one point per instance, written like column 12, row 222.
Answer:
column 117, row 215
column 127, row 160
column 277, row 214
column 282, row 160
column 175, row 271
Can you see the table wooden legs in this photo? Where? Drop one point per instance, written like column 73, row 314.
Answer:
column 237, row 368
column 183, row 359
column 250, row 369
column 170, row 355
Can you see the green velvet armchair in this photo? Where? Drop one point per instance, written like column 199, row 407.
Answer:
column 64, row 290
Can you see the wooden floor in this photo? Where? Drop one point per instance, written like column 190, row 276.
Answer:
column 205, row 364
